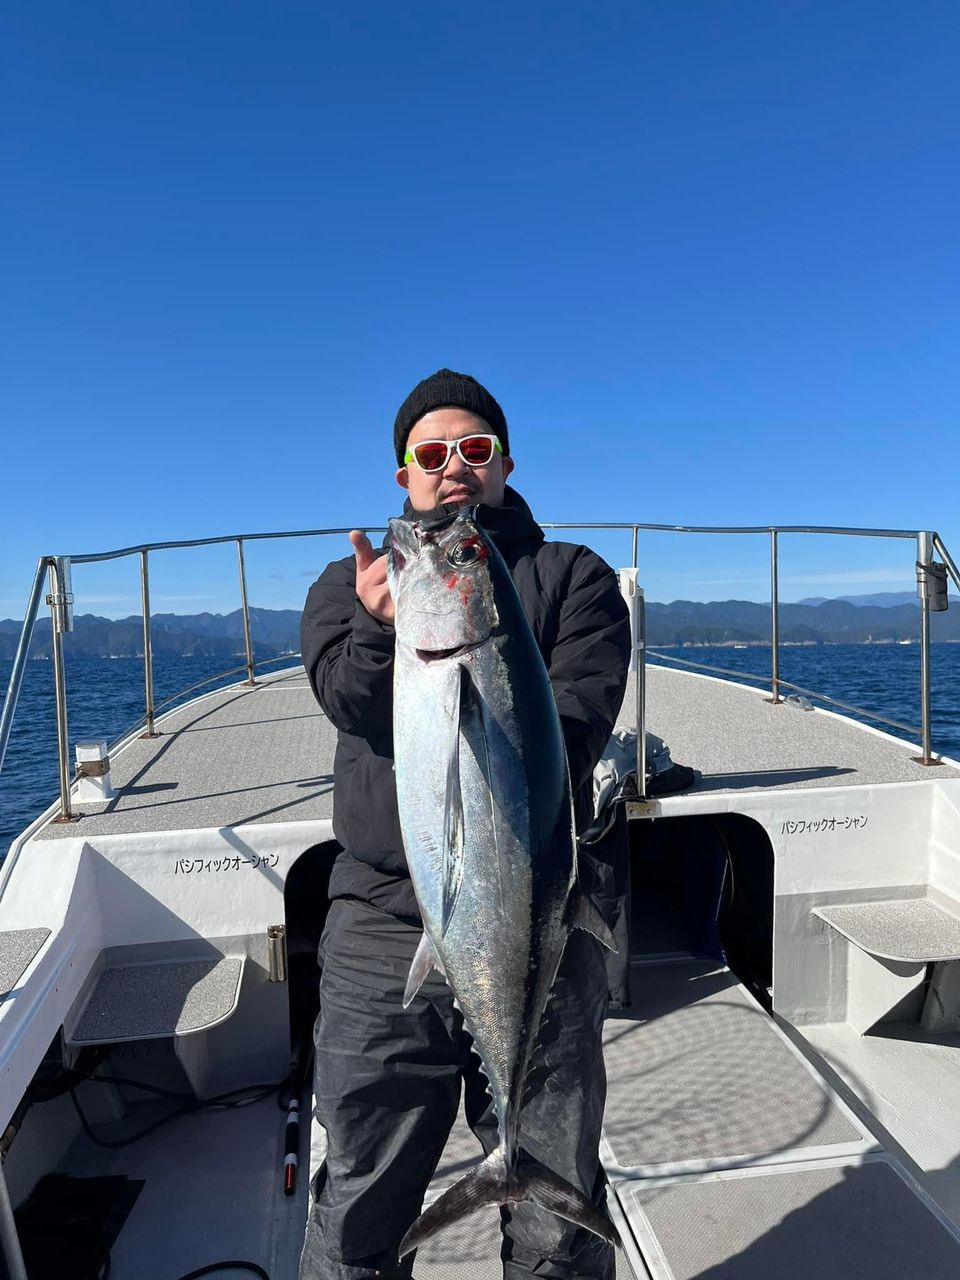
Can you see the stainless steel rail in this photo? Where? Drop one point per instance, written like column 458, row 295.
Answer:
column 58, row 603
column 716, row 528
column 927, row 543
column 97, row 556
column 149, row 731
column 247, row 642
column 20, row 658
column 774, row 620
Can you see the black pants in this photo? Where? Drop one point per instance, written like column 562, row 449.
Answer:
column 387, row 1092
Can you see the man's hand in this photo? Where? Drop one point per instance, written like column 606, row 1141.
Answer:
column 372, row 579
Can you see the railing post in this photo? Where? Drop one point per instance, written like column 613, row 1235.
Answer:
column 633, row 596
column 248, row 644
column 636, row 534
column 20, row 661
column 149, row 730
column 924, row 557
column 641, row 678
column 60, row 601
column 774, row 621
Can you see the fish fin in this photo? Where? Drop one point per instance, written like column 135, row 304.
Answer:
column 550, row 1191
column 453, row 825
column 484, row 1184
column 424, row 960
column 491, row 1183
column 584, row 915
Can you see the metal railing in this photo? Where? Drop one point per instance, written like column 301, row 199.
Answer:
column 926, row 543
column 60, row 599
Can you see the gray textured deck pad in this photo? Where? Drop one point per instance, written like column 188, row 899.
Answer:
column 907, row 929
column 814, row 1224
column 144, row 1001
column 240, row 755
column 740, row 742
column 17, row 950
column 698, row 1072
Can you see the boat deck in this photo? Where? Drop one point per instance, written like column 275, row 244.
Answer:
column 740, row 741
column 265, row 754
column 727, row 1153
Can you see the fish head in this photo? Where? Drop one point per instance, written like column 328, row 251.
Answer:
column 439, row 575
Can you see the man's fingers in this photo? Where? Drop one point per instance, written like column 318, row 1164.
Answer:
column 364, row 551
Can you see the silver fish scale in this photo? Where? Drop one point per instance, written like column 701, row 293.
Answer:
column 506, row 933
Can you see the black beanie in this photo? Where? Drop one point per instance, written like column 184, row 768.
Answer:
column 448, row 390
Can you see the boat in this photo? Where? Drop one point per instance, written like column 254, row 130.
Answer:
column 783, row 1094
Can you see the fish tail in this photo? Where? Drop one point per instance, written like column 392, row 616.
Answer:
column 493, row 1183
column 552, row 1192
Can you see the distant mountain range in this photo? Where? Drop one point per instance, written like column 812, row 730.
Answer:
column 884, row 618
column 210, row 635
column 686, row 622
column 882, row 598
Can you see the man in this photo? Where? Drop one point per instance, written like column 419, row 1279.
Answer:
column 387, row 1079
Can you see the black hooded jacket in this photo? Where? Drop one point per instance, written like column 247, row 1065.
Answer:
column 580, row 622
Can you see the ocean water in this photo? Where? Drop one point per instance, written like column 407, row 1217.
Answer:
column 105, row 698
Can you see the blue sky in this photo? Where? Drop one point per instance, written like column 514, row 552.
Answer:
column 704, row 254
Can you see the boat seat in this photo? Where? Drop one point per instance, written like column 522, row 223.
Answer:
column 18, row 950
column 181, row 997
column 890, row 943
column 907, row 929
column 158, row 999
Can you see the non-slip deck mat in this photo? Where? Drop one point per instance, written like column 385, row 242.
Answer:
column 811, row 1224
column 145, row 1001
column 905, row 929
column 237, row 756
column 740, row 742
column 697, row 1071
column 18, row 947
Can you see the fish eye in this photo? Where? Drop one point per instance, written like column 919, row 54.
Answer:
column 464, row 553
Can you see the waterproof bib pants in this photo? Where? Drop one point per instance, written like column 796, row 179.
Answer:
column 387, row 1091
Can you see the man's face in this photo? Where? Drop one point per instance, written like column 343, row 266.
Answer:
column 457, row 484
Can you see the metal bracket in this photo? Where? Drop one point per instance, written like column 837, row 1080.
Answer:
column 93, row 768
column 643, row 809
column 61, row 601
column 277, row 952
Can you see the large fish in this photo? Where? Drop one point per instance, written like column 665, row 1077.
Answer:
column 487, row 821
